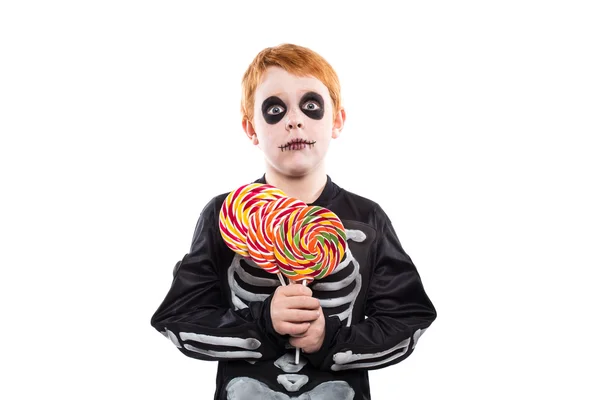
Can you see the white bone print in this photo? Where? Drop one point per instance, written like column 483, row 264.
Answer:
column 245, row 388
column 232, row 342
column 347, row 360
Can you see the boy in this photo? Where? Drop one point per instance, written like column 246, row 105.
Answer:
column 368, row 314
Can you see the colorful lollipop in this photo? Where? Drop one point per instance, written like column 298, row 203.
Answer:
column 261, row 232
column 237, row 209
column 310, row 243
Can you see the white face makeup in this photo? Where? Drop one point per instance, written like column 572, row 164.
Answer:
column 293, row 121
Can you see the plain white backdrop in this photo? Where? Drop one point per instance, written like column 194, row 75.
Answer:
column 474, row 124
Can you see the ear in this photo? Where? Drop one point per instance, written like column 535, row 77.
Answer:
column 338, row 123
column 250, row 132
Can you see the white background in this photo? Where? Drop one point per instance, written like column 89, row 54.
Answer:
column 474, row 124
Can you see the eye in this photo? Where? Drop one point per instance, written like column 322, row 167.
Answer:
column 311, row 105
column 275, row 110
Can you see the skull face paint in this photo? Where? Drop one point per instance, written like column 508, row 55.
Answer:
column 312, row 105
column 293, row 122
column 273, row 110
column 297, row 144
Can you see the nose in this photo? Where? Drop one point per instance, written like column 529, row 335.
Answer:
column 294, row 120
column 294, row 124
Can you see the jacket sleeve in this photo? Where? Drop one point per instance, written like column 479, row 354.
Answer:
column 195, row 314
column 397, row 311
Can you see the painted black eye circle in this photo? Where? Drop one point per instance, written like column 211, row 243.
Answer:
column 311, row 105
column 275, row 110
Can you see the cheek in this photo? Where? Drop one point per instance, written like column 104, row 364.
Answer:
column 267, row 133
column 322, row 127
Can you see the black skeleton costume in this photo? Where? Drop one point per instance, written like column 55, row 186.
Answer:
column 375, row 306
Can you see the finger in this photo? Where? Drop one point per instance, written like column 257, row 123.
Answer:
column 299, row 316
column 288, row 328
column 300, row 342
column 300, row 334
column 295, row 290
column 295, row 341
column 302, row 302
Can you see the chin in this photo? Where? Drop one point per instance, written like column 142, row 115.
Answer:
column 296, row 170
column 294, row 167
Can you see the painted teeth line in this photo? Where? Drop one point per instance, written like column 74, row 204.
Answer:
column 296, row 143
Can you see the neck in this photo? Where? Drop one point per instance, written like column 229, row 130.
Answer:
column 307, row 187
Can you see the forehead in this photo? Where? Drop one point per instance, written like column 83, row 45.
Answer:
column 278, row 82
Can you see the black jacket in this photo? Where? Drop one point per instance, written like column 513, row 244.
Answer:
column 375, row 307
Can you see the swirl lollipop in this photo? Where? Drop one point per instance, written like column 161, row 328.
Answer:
column 261, row 232
column 237, row 209
column 310, row 243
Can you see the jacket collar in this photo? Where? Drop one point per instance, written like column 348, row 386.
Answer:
column 324, row 198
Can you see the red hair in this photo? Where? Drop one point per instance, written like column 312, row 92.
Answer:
column 296, row 60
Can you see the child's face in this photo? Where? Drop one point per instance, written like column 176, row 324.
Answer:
column 293, row 121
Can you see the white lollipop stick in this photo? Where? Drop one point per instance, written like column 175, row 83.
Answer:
column 297, row 349
column 280, row 276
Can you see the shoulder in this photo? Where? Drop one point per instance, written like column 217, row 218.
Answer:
column 207, row 225
column 361, row 206
column 213, row 206
column 209, row 215
column 359, row 199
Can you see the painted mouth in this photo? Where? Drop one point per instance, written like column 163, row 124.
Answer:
column 297, row 144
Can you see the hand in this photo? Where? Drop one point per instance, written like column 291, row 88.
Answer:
column 312, row 340
column 293, row 309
